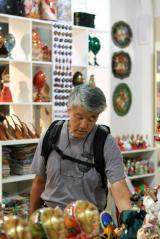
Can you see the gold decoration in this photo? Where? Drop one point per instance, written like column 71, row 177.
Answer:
column 15, row 227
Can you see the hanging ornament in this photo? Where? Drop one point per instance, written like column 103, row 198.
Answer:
column 77, row 78
column 96, row 46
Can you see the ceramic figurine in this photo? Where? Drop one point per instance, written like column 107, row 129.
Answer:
column 48, row 10
column 120, row 143
column 37, row 52
column 31, row 8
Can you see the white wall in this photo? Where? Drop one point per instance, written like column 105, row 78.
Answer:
column 139, row 15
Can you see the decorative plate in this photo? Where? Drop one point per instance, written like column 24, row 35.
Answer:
column 121, row 64
column 122, row 99
column 121, row 34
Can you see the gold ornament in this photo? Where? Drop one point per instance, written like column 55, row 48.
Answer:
column 15, row 227
column 47, row 222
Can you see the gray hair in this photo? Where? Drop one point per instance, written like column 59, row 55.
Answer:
column 90, row 97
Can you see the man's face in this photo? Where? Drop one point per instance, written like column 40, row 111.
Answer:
column 81, row 121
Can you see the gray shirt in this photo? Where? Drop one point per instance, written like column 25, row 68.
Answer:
column 67, row 181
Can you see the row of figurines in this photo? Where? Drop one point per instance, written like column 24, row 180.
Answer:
column 132, row 142
column 138, row 166
column 40, row 9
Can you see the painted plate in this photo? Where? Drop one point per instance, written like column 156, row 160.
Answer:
column 121, row 64
column 121, row 34
column 122, row 99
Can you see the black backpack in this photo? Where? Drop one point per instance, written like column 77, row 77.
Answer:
column 51, row 137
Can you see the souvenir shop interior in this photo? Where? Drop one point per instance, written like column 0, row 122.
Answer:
column 47, row 47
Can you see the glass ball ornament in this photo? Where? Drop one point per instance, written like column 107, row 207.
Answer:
column 96, row 46
column 38, row 82
column 77, row 78
column 9, row 43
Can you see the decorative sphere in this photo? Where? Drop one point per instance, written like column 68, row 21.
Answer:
column 96, row 45
column 9, row 42
column 15, row 227
column 39, row 79
column 77, row 78
column 47, row 221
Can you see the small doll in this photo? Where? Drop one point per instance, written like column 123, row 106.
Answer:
column 31, row 8
column 48, row 10
column 81, row 220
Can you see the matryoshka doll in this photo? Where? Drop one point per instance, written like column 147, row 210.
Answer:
column 47, row 223
column 15, row 227
column 81, row 220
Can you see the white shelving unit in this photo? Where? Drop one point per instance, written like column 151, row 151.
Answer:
column 150, row 155
column 21, row 71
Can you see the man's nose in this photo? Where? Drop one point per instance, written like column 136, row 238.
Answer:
column 84, row 124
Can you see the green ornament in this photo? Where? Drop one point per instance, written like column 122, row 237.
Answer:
column 96, row 45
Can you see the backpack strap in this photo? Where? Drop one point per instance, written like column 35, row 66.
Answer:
column 74, row 160
column 98, row 146
column 51, row 138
